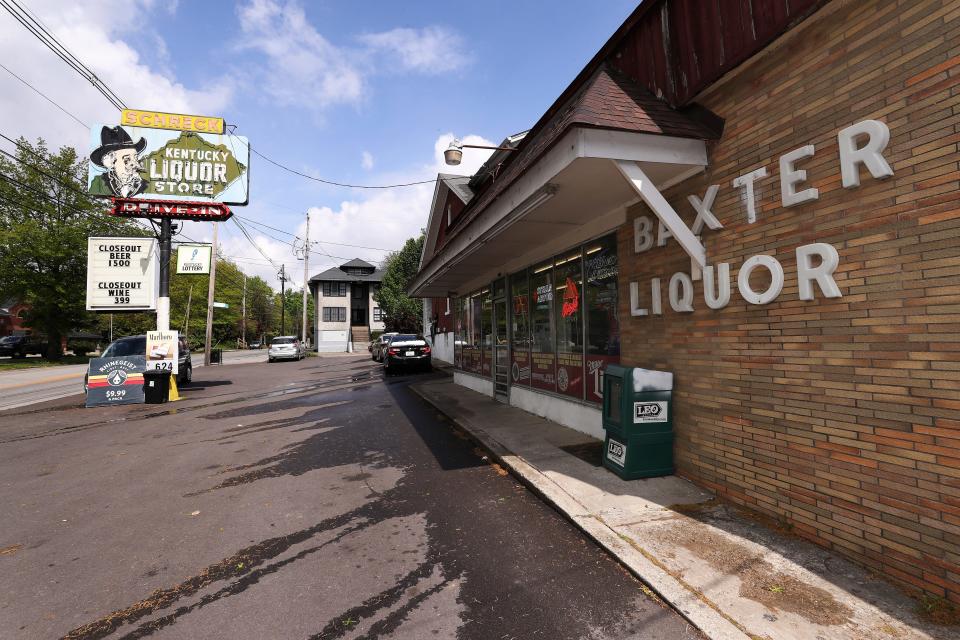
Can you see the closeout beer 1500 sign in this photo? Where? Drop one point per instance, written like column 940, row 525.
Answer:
column 122, row 274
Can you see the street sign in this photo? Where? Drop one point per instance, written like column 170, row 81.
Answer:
column 160, row 164
column 122, row 274
column 178, row 121
column 221, row 305
column 193, row 258
column 163, row 349
column 115, row 381
column 129, row 208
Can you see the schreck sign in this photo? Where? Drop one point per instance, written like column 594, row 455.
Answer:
column 160, row 164
column 122, row 274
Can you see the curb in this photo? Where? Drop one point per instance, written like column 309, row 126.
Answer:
column 672, row 592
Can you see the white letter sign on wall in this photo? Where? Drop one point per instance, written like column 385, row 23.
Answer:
column 870, row 154
column 791, row 177
column 122, row 274
column 776, row 279
column 717, row 297
column 682, row 302
column 746, row 182
column 822, row 274
column 642, row 234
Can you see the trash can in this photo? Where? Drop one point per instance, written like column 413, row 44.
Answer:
column 216, row 356
column 638, row 421
column 156, row 386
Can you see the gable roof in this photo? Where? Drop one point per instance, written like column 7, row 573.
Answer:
column 357, row 263
column 460, row 185
column 336, row 274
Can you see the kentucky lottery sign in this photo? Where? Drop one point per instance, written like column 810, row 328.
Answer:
column 161, row 164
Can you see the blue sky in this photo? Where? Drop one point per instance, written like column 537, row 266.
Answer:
column 354, row 92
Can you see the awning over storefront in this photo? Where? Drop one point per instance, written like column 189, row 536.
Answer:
column 611, row 144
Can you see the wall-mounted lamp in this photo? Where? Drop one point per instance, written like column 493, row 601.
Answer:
column 454, row 153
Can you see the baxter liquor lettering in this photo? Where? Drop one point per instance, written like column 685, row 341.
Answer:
column 860, row 144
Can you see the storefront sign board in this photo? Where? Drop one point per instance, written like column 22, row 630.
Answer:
column 122, row 274
column 160, row 164
column 163, row 351
column 177, row 121
column 206, row 211
column 115, row 381
column 193, row 258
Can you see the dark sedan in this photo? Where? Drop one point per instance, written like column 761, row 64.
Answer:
column 406, row 350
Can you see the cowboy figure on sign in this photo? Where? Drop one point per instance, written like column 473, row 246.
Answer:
column 120, row 156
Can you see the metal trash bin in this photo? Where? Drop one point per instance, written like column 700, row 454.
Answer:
column 156, row 386
column 216, row 356
column 638, row 421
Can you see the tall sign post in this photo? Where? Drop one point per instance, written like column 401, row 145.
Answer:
column 208, row 336
column 162, row 167
column 306, row 269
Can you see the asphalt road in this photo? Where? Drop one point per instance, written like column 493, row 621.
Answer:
column 24, row 387
column 289, row 500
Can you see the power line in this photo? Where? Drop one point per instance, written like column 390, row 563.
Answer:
column 39, row 31
column 44, row 96
column 341, row 244
column 339, row 184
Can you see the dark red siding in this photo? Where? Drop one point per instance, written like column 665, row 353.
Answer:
column 456, row 207
column 679, row 47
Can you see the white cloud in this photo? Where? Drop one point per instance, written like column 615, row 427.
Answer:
column 432, row 50
column 382, row 219
column 98, row 32
column 366, row 161
column 301, row 67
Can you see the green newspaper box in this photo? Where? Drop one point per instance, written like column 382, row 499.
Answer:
column 638, row 421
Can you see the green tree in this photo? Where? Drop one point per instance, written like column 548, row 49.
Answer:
column 400, row 311
column 45, row 219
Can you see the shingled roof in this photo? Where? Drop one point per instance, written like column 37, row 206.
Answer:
column 607, row 100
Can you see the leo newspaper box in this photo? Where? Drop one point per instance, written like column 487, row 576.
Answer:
column 638, row 421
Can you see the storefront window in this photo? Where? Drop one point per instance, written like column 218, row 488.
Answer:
column 541, row 347
column 460, row 333
column 568, row 316
column 520, row 315
column 601, row 270
column 487, row 331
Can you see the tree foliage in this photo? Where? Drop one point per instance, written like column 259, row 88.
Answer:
column 400, row 311
column 45, row 219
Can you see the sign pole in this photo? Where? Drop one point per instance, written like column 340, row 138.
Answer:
column 306, row 289
column 210, row 288
column 163, row 303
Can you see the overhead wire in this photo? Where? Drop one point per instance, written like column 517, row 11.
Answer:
column 44, row 96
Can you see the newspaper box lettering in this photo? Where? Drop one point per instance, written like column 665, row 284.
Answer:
column 649, row 412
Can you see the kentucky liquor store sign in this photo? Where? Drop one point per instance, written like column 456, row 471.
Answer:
column 160, row 164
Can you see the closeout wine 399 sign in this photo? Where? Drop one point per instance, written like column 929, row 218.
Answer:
column 122, row 274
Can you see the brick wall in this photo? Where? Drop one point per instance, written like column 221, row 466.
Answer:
column 839, row 416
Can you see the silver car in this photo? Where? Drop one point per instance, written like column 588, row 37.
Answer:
column 286, row 348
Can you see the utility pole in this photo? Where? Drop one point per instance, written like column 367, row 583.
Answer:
column 283, row 299
column 210, row 287
column 186, row 318
column 163, row 301
column 243, row 328
column 306, row 268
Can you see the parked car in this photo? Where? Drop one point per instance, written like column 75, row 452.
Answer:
column 256, row 344
column 406, row 350
column 286, row 348
column 377, row 346
column 21, row 346
column 137, row 346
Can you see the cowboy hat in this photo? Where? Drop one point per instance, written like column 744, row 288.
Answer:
column 114, row 139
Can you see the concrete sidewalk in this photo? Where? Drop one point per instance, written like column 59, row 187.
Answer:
column 730, row 575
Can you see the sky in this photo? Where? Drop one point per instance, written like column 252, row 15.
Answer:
column 355, row 92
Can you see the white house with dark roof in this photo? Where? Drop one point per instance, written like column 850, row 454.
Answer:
column 346, row 310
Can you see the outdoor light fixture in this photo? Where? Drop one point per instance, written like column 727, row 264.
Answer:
column 454, row 153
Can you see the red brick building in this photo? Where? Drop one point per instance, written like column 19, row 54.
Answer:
column 762, row 198
column 11, row 317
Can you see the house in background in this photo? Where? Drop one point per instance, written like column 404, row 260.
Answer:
column 346, row 311
column 11, row 317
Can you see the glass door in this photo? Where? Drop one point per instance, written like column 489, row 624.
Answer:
column 501, row 347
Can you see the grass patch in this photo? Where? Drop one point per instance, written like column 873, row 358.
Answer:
column 9, row 364
column 938, row 610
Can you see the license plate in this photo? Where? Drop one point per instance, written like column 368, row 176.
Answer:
column 409, row 353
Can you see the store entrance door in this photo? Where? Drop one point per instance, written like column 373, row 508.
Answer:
column 501, row 352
